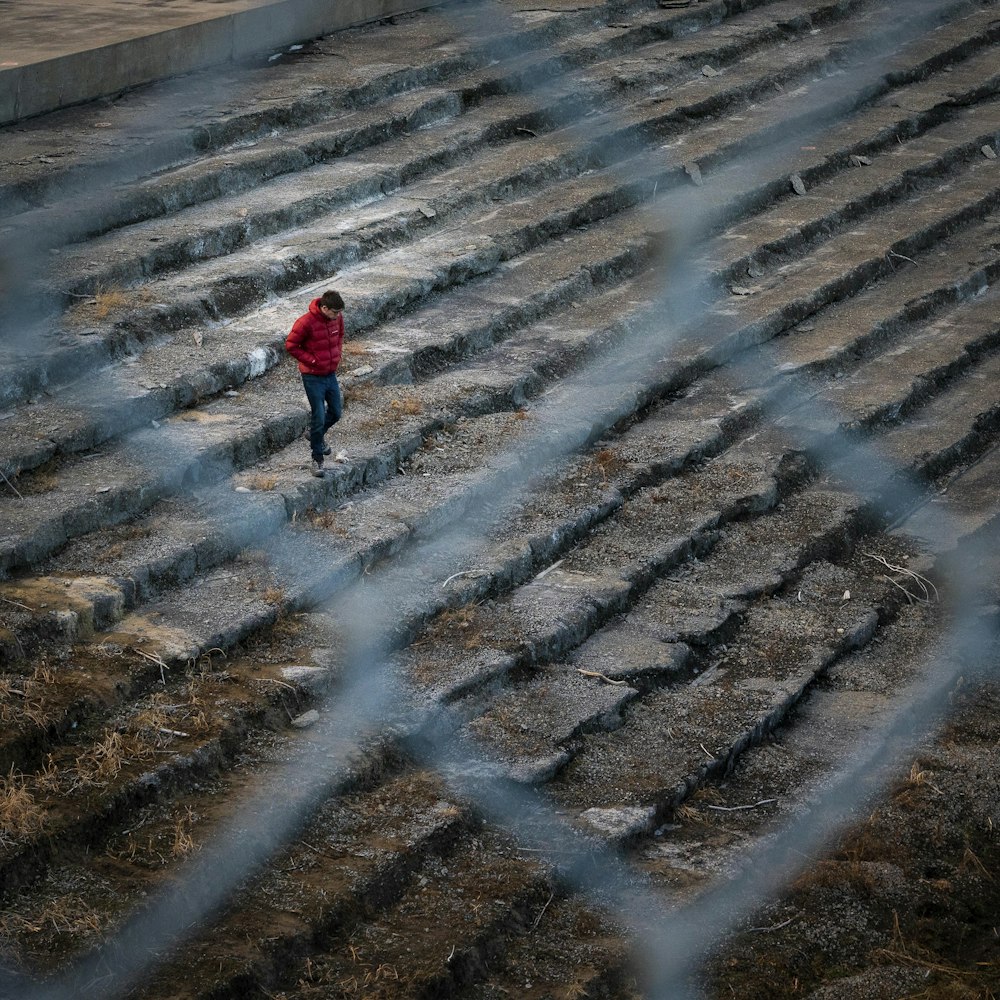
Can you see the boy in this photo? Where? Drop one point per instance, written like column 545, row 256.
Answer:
column 316, row 341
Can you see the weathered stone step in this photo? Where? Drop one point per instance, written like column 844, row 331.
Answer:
column 138, row 575
column 697, row 602
column 571, row 948
column 951, row 428
column 961, row 516
column 237, row 169
column 444, row 933
column 626, row 782
column 53, row 362
column 184, row 391
column 163, row 747
column 667, row 659
column 285, row 98
column 545, row 620
column 356, row 855
column 175, row 376
column 194, row 234
column 253, row 282
column 888, row 388
column 710, row 838
column 84, row 435
column 244, row 269
column 835, row 202
column 205, row 445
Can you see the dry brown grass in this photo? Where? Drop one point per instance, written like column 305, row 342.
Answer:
column 20, row 814
column 913, row 790
column 105, row 761
column 836, row 875
column 407, row 406
column 107, row 299
column 147, row 726
column 455, row 624
column 327, row 520
column 47, row 779
column 38, row 482
column 68, row 916
column 42, row 676
column 262, row 481
column 604, row 463
column 252, row 557
column 274, row 595
column 352, row 349
column 905, row 950
column 183, row 842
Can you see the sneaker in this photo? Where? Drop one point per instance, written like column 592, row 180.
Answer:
column 317, row 467
column 327, row 450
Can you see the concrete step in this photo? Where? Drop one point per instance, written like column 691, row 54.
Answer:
column 284, row 425
column 139, row 326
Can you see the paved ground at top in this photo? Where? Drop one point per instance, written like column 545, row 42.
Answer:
column 54, row 54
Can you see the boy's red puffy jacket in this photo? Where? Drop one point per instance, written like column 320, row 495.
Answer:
column 316, row 342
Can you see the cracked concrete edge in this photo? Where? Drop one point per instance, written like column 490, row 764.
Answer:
column 44, row 85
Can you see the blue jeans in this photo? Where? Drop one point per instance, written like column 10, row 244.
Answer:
column 326, row 406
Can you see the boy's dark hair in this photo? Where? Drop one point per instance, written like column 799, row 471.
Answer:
column 331, row 300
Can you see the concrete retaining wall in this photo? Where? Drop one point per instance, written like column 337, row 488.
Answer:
column 45, row 84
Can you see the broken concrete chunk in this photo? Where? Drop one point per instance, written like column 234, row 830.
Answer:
column 311, row 679
column 620, row 822
column 861, row 161
column 989, row 152
column 798, row 185
column 709, row 71
column 306, row 719
column 427, row 211
column 363, row 370
column 694, row 172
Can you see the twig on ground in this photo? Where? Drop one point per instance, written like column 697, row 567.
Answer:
column 541, row 912
column 17, row 604
column 548, row 569
column 274, row 680
column 731, row 809
column 12, row 486
column 154, row 659
column 927, row 586
column 708, row 753
column 316, row 850
column 774, row 927
column 892, row 253
column 464, row 572
column 599, row 675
